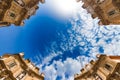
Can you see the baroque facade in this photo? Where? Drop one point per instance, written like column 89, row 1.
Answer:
column 15, row 67
column 16, row 11
column 108, row 11
column 104, row 68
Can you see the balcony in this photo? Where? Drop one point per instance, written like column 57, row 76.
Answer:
column 20, row 2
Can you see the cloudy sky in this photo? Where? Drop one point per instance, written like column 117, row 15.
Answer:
column 60, row 39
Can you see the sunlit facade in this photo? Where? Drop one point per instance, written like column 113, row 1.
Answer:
column 15, row 67
column 108, row 11
column 104, row 68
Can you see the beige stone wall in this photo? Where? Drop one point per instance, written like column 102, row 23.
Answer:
column 105, row 10
column 105, row 68
column 19, row 68
column 16, row 11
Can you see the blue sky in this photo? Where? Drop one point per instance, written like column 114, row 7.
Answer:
column 41, row 26
column 60, row 45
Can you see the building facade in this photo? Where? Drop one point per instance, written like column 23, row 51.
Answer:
column 104, row 68
column 16, row 11
column 15, row 67
column 108, row 11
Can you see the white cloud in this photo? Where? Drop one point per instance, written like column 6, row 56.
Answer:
column 86, row 32
column 50, row 72
column 63, row 8
column 69, row 67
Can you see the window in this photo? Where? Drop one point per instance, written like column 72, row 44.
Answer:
column 116, row 73
column 108, row 67
column 20, row 2
column 12, row 64
column 21, row 75
column 119, row 70
column 111, row 13
column 12, row 14
column 97, row 77
column 100, row 1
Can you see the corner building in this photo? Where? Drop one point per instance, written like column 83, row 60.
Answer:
column 108, row 11
column 15, row 67
column 16, row 11
column 104, row 68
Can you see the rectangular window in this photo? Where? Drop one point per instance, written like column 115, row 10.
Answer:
column 12, row 15
column 20, row 2
column 12, row 64
column 21, row 75
column 97, row 77
column 108, row 67
column 100, row 1
column 111, row 12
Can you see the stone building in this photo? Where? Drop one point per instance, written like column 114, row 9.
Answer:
column 15, row 67
column 104, row 68
column 16, row 11
column 108, row 11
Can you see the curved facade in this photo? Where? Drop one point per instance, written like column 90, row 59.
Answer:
column 16, row 11
column 108, row 11
column 104, row 68
column 15, row 67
